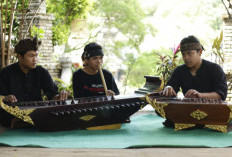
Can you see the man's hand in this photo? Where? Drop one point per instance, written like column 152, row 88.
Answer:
column 62, row 96
column 110, row 92
column 10, row 98
column 169, row 91
column 192, row 93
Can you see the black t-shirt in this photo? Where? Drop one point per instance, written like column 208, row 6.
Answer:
column 209, row 78
column 86, row 85
column 26, row 87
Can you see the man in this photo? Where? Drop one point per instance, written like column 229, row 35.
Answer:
column 87, row 81
column 24, row 80
column 198, row 78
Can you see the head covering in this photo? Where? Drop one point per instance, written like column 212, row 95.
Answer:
column 190, row 43
column 93, row 53
column 92, row 50
column 27, row 45
column 191, row 46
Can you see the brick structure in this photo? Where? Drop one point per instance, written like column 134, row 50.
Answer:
column 227, row 49
column 44, row 21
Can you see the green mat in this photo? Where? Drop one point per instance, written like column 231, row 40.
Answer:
column 143, row 131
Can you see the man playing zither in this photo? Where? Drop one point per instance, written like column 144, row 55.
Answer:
column 24, row 80
column 197, row 78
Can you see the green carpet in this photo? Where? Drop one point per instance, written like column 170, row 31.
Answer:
column 143, row 131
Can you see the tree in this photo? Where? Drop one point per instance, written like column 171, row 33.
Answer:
column 65, row 11
column 6, row 18
column 126, row 17
column 123, row 27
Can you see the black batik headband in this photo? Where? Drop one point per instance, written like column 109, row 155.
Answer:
column 93, row 53
column 191, row 46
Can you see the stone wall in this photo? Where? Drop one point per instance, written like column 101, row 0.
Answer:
column 44, row 21
column 227, row 49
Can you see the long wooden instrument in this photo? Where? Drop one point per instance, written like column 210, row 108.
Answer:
column 80, row 113
column 193, row 112
column 103, row 80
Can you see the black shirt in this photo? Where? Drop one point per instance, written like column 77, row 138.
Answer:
column 26, row 87
column 209, row 78
column 86, row 85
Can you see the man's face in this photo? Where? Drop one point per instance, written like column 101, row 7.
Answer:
column 191, row 57
column 95, row 62
column 29, row 60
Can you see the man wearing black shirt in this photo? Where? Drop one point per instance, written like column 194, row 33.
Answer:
column 197, row 77
column 87, row 81
column 24, row 80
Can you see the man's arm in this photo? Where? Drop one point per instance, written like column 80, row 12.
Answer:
column 4, row 88
column 169, row 91
column 77, row 89
column 4, row 83
column 173, row 85
column 220, row 83
column 195, row 94
column 219, row 86
column 10, row 98
column 51, row 90
column 48, row 86
column 114, row 87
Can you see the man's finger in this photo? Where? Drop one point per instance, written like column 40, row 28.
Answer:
column 173, row 93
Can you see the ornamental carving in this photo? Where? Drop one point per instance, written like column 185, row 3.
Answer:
column 198, row 114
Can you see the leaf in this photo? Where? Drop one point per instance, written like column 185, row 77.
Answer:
column 215, row 42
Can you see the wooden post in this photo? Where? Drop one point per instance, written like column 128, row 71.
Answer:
column 10, row 30
column 2, row 36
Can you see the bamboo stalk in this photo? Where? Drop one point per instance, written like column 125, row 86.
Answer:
column 5, row 22
column 103, row 80
column 2, row 39
column 22, row 21
column 10, row 30
column 4, row 8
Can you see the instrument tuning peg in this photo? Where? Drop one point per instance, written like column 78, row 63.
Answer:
column 55, row 103
column 72, row 102
column 80, row 101
column 100, row 99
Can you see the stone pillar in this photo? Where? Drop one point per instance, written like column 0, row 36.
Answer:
column 44, row 21
column 66, row 65
column 227, row 48
column 227, row 38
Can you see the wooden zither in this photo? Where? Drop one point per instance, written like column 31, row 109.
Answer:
column 193, row 112
column 75, row 114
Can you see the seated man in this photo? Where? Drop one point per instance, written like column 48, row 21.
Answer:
column 87, row 81
column 24, row 80
column 198, row 78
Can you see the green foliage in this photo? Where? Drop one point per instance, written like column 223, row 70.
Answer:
column 64, row 86
column 60, row 34
column 16, row 21
column 166, row 62
column 65, row 11
column 131, row 59
column 217, row 48
column 143, row 66
column 38, row 32
column 126, row 16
